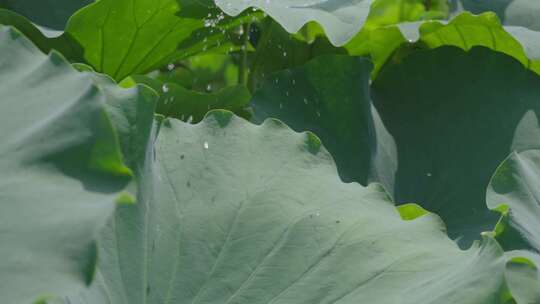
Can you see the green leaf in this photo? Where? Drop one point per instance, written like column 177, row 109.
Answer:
column 188, row 105
column 62, row 171
column 49, row 15
column 464, row 31
column 231, row 212
column 341, row 19
column 123, row 37
column 277, row 50
column 514, row 191
column 432, row 128
column 203, row 73
column 328, row 96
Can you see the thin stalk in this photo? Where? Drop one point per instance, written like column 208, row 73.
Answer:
column 242, row 66
column 428, row 5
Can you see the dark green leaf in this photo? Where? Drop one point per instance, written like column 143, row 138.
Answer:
column 440, row 123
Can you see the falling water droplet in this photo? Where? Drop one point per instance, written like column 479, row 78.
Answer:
column 165, row 88
column 170, row 66
column 305, row 101
column 429, row 174
column 205, row 145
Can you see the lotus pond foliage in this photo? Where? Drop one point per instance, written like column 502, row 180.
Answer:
column 270, row 151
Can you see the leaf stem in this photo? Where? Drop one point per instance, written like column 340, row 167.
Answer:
column 242, row 66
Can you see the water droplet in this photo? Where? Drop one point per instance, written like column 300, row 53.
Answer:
column 170, row 66
column 318, row 113
column 286, row 93
column 284, row 54
column 429, row 174
column 294, row 81
column 165, row 88
column 209, row 87
column 280, row 105
column 205, row 145
column 305, row 101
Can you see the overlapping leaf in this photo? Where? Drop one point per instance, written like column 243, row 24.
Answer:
column 49, row 15
column 188, row 105
column 512, row 12
column 341, row 19
column 230, row 212
column 464, row 31
column 437, row 127
column 513, row 191
column 122, row 37
column 62, row 171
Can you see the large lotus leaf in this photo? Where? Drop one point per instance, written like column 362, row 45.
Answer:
column 232, row 212
column 512, row 12
column 444, row 120
column 122, row 37
column 341, row 19
column 464, row 31
column 48, row 14
column 514, row 191
column 62, row 171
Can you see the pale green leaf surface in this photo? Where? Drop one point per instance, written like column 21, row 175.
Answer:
column 341, row 19
column 62, row 172
column 230, row 212
column 522, row 276
column 514, row 191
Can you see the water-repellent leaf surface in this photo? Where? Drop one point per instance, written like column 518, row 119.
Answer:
column 230, row 212
column 513, row 191
column 341, row 19
column 62, row 172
